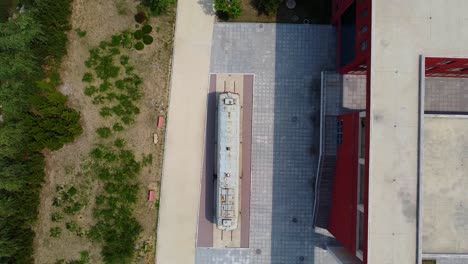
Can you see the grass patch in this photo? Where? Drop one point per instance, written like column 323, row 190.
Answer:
column 104, row 132
column 116, row 87
column 55, row 232
column 69, row 199
column 57, row 217
column 116, row 228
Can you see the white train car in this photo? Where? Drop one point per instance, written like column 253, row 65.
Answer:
column 228, row 144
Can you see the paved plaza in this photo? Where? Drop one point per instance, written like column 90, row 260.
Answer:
column 287, row 61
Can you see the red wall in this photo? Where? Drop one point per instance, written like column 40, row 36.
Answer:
column 366, row 172
column 447, row 67
column 343, row 213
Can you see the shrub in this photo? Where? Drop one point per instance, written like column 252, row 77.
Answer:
column 139, row 46
column 57, row 217
column 119, row 143
column 129, row 69
column 104, row 132
column 140, row 17
column 158, row 7
column 268, row 6
column 104, row 86
column 138, row 34
column 72, row 226
column 117, row 127
column 84, row 257
column 80, row 33
column 90, row 90
column 106, row 69
column 105, row 112
column 98, row 99
column 226, row 9
column 146, row 29
column 127, row 120
column 124, row 59
column 147, row 39
column 116, row 40
column 104, row 44
column 147, row 160
column 114, row 51
column 55, row 231
column 88, row 77
column 73, row 208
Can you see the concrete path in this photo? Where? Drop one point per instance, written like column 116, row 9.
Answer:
column 185, row 133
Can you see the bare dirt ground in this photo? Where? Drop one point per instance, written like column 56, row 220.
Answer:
column 100, row 20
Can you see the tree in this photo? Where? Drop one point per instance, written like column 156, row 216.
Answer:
column 35, row 116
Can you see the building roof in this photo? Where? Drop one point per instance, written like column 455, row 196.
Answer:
column 401, row 31
column 445, row 181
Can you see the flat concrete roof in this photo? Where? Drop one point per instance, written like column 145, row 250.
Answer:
column 401, row 31
column 445, row 182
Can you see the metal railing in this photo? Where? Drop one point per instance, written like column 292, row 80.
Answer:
column 321, row 149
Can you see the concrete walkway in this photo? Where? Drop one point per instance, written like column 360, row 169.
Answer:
column 185, row 133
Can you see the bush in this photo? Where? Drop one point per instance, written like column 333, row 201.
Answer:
column 226, row 9
column 147, row 39
column 268, row 6
column 140, row 17
column 146, row 29
column 104, row 132
column 73, row 208
column 124, row 59
column 127, row 39
column 139, row 46
column 80, row 33
column 55, row 231
column 57, row 217
column 119, row 143
column 147, row 160
column 158, row 7
column 117, row 127
column 106, row 69
column 138, row 34
column 88, row 77
column 116, row 40
column 71, row 226
column 90, row 90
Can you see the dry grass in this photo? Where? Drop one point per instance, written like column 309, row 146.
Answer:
column 102, row 19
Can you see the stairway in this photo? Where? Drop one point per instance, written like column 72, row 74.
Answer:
column 325, row 190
